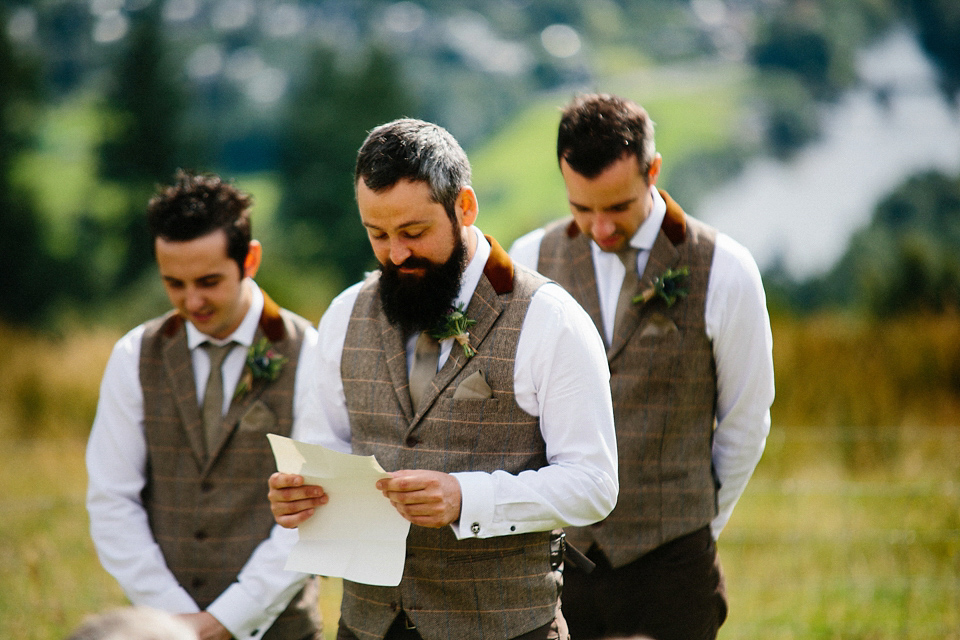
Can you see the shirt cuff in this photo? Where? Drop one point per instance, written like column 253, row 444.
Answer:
column 234, row 606
column 476, row 505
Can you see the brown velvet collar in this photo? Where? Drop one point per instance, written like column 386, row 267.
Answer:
column 499, row 268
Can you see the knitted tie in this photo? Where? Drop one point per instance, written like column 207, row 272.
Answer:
column 213, row 397
column 426, row 355
column 629, row 287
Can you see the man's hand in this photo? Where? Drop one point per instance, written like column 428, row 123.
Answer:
column 291, row 501
column 206, row 626
column 425, row 498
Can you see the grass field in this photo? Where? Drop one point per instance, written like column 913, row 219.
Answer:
column 813, row 550
column 850, row 528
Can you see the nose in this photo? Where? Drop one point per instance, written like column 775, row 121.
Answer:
column 193, row 299
column 603, row 227
column 399, row 251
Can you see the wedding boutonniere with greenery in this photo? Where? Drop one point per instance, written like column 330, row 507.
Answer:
column 454, row 325
column 263, row 363
column 670, row 286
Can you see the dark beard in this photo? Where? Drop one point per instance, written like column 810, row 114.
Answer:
column 416, row 303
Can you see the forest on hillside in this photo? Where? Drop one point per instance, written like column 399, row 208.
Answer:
column 101, row 100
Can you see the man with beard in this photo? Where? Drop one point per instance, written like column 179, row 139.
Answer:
column 509, row 435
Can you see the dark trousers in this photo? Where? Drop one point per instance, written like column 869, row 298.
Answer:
column 401, row 629
column 675, row 592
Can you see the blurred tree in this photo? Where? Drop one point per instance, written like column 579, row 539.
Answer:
column 30, row 278
column 328, row 117
column 938, row 24
column 142, row 138
column 906, row 261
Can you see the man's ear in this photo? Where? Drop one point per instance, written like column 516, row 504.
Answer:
column 467, row 207
column 251, row 263
column 654, row 172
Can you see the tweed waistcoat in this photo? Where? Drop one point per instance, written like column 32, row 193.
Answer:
column 209, row 512
column 663, row 382
column 498, row 587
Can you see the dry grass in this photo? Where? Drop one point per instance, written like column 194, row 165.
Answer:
column 850, row 528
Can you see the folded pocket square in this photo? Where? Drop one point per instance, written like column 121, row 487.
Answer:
column 259, row 417
column 473, row 387
column 657, row 326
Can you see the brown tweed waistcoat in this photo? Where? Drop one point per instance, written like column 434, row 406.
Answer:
column 498, row 587
column 663, row 381
column 208, row 513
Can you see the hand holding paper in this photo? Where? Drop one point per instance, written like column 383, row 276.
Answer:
column 357, row 535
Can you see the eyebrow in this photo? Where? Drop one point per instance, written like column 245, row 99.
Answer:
column 406, row 225
column 611, row 206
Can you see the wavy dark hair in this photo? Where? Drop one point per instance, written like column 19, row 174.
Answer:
column 200, row 203
column 598, row 129
column 409, row 149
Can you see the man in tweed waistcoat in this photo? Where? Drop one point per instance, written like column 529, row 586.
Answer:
column 683, row 315
column 178, row 453
column 505, row 434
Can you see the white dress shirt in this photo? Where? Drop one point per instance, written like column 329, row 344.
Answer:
column 560, row 375
column 116, row 465
column 737, row 325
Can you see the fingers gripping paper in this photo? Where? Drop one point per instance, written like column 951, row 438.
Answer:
column 357, row 535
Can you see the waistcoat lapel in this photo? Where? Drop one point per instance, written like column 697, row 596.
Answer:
column 663, row 256
column 179, row 371
column 485, row 307
column 271, row 326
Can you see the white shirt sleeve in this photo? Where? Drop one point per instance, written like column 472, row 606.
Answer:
column 116, row 468
column 739, row 326
column 116, row 464
column 561, row 376
column 325, row 420
column 526, row 249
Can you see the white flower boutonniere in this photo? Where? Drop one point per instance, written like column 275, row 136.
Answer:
column 454, row 325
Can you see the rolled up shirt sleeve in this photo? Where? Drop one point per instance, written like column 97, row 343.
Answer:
column 561, row 376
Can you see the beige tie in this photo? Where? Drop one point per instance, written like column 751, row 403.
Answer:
column 629, row 287
column 426, row 355
column 212, row 409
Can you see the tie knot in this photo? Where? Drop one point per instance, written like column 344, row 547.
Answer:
column 217, row 352
column 426, row 344
column 629, row 258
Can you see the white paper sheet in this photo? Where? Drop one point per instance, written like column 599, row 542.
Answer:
column 357, row 535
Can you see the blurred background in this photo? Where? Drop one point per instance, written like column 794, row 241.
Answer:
column 822, row 134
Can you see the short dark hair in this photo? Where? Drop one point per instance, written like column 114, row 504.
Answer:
column 198, row 204
column 414, row 150
column 598, row 129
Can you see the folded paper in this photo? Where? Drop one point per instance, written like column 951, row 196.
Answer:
column 357, row 535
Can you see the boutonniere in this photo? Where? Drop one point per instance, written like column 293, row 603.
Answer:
column 263, row 363
column 670, row 286
column 454, row 325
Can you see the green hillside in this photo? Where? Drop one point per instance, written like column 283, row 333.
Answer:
column 697, row 109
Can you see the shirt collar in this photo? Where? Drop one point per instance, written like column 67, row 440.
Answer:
column 248, row 326
column 647, row 234
column 471, row 275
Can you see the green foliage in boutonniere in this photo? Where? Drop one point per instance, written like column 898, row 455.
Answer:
column 454, row 325
column 670, row 286
column 263, row 363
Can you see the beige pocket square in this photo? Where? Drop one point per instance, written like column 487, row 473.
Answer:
column 473, row 387
column 657, row 326
column 258, row 417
